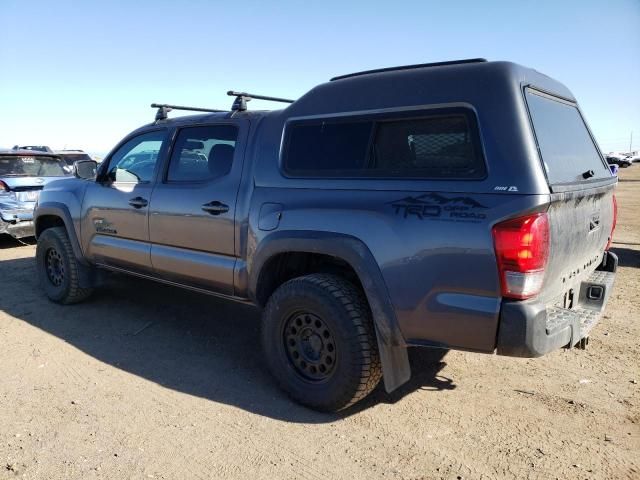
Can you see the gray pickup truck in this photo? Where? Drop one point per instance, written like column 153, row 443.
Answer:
column 458, row 205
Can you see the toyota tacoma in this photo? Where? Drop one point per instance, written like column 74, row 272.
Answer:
column 457, row 205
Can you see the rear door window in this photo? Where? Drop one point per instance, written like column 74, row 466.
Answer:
column 566, row 147
column 202, row 153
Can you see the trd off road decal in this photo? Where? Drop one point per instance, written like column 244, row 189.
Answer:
column 432, row 206
column 103, row 226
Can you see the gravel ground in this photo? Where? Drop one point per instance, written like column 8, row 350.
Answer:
column 148, row 381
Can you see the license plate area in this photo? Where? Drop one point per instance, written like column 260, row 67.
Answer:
column 28, row 195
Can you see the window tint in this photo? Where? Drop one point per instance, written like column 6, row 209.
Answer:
column 566, row 147
column 434, row 146
column 202, row 153
column 135, row 161
column 437, row 147
column 328, row 147
column 35, row 166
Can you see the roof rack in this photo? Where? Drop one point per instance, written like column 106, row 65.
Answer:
column 164, row 108
column 240, row 103
column 410, row 67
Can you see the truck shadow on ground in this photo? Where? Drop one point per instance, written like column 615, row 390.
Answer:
column 182, row 340
column 627, row 257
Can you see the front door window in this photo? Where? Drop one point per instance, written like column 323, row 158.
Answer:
column 135, row 161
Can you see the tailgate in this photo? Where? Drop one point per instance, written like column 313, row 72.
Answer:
column 581, row 211
column 580, row 226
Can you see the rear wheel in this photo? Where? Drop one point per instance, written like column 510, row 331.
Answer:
column 58, row 268
column 319, row 341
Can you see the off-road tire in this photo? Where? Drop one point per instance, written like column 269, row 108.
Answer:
column 61, row 286
column 340, row 309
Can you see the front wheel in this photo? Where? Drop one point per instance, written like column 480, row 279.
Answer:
column 58, row 268
column 319, row 341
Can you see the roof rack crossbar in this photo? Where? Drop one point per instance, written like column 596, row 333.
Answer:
column 240, row 103
column 164, row 108
column 410, row 67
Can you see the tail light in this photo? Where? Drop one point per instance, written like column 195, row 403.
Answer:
column 4, row 187
column 522, row 250
column 613, row 225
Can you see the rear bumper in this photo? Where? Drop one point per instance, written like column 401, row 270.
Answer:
column 17, row 221
column 531, row 329
column 18, row 229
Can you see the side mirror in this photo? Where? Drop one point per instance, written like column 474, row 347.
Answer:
column 85, row 169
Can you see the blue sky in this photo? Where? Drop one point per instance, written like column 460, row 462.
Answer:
column 82, row 74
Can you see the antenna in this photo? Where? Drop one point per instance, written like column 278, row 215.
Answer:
column 240, row 103
column 164, row 108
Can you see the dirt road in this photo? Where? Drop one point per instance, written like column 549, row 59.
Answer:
column 148, row 381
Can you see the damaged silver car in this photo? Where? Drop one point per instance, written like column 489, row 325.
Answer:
column 23, row 174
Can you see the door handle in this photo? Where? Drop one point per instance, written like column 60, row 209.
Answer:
column 215, row 208
column 138, row 202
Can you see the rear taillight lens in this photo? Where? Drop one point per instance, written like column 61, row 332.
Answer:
column 613, row 225
column 522, row 250
column 4, row 187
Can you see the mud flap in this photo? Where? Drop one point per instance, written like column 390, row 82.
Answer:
column 396, row 369
column 394, row 357
column 90, row 277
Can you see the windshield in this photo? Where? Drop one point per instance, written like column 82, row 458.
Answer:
column 31, row 166
column 566, row 147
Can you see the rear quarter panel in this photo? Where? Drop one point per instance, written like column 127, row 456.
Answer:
column 435, row 252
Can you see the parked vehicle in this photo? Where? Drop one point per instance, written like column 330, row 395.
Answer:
column 72, row 156
column 622, row 162
column 383, row 209
column 23, row 174
column 35, row 148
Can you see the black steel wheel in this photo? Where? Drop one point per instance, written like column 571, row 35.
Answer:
column 55, row 266
column 310, row 346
